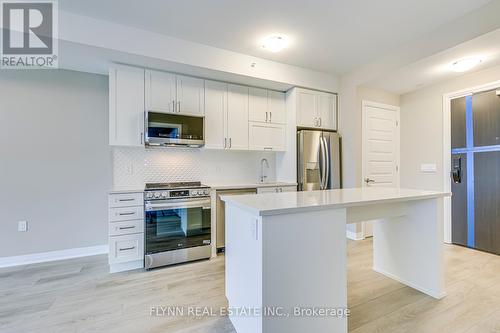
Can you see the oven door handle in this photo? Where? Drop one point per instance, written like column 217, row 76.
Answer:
column 204, row 204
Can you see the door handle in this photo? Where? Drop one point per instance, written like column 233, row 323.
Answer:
column 369, row 181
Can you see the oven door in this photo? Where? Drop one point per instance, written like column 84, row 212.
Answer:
column 176, row 224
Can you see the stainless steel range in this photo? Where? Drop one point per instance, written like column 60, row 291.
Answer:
column 177, row 223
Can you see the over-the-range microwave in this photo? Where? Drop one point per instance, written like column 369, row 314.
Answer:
column 170, row 130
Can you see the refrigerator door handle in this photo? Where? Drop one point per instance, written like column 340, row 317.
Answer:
column 327, row 161
column 323, row 164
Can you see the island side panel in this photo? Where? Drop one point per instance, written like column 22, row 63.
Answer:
column 409, row 249
column 243, row 257
column 305, row 266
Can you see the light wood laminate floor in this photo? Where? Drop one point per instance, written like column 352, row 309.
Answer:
column 79, row 295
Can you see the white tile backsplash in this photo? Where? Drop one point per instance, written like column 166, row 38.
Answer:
column 137, row 166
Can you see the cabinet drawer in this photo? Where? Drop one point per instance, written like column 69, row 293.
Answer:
column 126, row 227
column 126, row 213
column 125, row 200
column 287, row 189
column 126, row 248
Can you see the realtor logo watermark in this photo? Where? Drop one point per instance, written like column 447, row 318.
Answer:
column 29, row 34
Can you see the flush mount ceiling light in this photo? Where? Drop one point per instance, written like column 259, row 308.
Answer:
column 275, row 43
column 465, row 64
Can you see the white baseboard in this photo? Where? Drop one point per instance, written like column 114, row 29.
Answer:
column 432, row 293
column 53, row 255
column 355, row 235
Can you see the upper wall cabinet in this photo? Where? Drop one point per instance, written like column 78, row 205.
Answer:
column 316, row 109
column 237, row 117
column 266, row 106
column 126, row 106
column 172, row 93
column 215, row 115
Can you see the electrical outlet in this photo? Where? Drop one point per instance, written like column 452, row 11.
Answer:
column 22, row 226
column 130, row 169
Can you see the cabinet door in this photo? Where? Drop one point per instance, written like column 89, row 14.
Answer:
column 190, row 95
column 160, row 91
column 270, row 189
column 126, row 106
column 277, row 107
column 264, row 136
column 237, row 117
column 326, row 113
column 306, row 109
column 215, row 114
column 258, row 105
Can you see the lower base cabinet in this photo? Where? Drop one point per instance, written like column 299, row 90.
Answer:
column 126, row 231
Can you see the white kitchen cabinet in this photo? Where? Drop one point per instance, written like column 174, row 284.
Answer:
column 264, row 136
column 126, row 106
column 126, row 231
column 277, row 189
column 267, row 106
column 257, row 105
column 237, row 117
column 327, row 113
column 167, row 92
column 160, row 91
column 316, row 109
column 215, row 114
column 276, row 107
column 190, row 95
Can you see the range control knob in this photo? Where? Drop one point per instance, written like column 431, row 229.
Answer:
column 149, row 195
column 206, row 192
column 157, row 194
column 194, row 193
column 164, row 195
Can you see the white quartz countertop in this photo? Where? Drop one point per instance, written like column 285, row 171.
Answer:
column 126, row 189
column 288, row 202
column 236, row 185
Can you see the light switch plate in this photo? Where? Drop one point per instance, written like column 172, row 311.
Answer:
column 428, row 167
column 22, row 226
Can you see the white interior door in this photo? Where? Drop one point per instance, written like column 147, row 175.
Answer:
column 380, row 132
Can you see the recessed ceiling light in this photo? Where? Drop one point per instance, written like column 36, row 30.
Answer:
column 465, row 64
column 275, row 43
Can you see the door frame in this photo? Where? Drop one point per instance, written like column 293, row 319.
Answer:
column 394, row 108
column 447, row 97
column 397, row 109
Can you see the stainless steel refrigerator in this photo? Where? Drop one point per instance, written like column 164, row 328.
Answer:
column 318, row 160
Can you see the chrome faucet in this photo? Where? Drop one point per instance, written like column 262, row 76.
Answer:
column 262, row 175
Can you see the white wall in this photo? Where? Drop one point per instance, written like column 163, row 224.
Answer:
column 177, row 165
column 350, row 129
column 55, row 163
column 422, row 128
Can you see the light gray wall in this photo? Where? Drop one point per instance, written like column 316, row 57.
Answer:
column 55, row 162
column 422, row 128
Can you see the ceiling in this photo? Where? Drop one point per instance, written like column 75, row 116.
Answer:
column 333, row 36
column 436, row 67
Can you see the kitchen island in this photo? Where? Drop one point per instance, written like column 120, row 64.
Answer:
column 286, row 253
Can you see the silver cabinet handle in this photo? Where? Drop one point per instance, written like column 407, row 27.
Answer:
column 124, row 200
column 319, row 121
column 268, row 148
column 122, row 214
column 270, row 117
column 266, row 117
column 179, row 106
column 127, row 248
column 225, row 143
column 125, row 228
column 142, row 138
column 173, row 106
column 315, row 122
column 230, row 143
